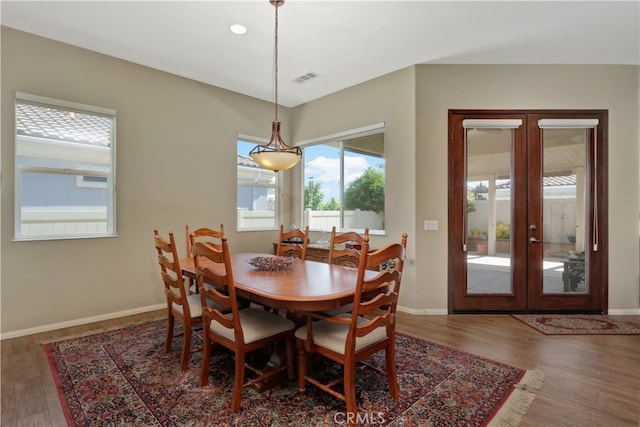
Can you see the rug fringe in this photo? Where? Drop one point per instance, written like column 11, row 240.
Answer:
column 512, row 411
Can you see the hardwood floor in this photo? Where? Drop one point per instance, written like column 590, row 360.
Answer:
column 589, row 380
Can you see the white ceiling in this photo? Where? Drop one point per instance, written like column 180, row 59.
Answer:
column 345, row 42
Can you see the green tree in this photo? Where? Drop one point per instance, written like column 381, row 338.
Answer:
column 366, row 192
column 332, row 205
column 471, row 201
column 480, row 189
column 313, row 196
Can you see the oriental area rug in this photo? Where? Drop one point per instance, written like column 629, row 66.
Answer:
column 578, row 324
column 124, row 377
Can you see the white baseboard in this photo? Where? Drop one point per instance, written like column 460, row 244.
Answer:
column 83, row 321
column 115, row 315
column 426, row 311
column 444, row 311
column 624, row 311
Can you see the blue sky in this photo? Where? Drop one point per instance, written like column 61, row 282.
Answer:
column 322, row 164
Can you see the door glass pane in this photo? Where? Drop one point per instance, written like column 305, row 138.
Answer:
column 488, row 213
column 564, row 154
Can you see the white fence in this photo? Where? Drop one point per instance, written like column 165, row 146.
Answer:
column 317, row 220
column 44, row 222
column 55, row 222
column 559, row 216
column 353, row 220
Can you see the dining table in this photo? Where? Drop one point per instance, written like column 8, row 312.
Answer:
column 303, row 286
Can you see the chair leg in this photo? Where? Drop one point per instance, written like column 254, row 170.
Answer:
column 390, row 359
column 302, row 365
column 170, row 323
column 350, row 391
column 238, row 381
column 206, row 355
column 186, row 348
column 291, row 360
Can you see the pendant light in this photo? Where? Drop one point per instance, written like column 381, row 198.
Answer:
column 276, row 155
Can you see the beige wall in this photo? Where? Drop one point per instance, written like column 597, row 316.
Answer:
column 167, row 121
column 389, row 99
column 614, row 88
column 414, row 104
column 176, row 164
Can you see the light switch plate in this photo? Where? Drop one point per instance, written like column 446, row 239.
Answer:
column 431, row 224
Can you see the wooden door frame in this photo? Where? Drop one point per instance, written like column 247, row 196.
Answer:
column 596, row 172
column 457, row 256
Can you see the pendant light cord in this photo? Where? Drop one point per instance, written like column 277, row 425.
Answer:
column 276, row 63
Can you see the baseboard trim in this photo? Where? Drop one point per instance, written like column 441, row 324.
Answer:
column 115, row 315
column 444, row 311
column 425, row 311
column 624, row 311
column 83, row 321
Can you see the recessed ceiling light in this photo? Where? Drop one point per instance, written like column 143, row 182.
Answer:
column 238, row 29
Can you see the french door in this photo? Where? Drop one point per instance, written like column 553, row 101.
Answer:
column 527, row 211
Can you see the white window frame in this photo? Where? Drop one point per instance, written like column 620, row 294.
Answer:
column 376, row 128
column 73, row 164
column 263, row 183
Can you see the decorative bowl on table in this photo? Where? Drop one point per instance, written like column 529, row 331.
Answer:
column 272, row 263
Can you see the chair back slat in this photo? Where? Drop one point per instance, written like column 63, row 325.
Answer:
column 202, row 234
column 381, row 299
column 293, row 243
column 374, row 323
column 342, row 250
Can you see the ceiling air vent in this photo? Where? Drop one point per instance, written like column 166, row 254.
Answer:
column 306, row 77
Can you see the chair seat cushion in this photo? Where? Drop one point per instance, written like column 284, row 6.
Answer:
column 195, row 306
column 333, row 336
column 256, row 324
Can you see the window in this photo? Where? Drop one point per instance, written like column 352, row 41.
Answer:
column 257, row 191
column 344, row 181
column 65, row 179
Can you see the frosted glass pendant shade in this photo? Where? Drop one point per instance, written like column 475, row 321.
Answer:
column 276, row 155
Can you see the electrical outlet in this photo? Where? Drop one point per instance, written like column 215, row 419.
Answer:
column 431, row 225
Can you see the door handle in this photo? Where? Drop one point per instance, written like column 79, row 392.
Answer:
column 532, row 239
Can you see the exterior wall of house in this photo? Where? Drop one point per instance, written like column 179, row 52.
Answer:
column 176, row 165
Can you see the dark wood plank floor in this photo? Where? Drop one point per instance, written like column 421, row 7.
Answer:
column 589, row 380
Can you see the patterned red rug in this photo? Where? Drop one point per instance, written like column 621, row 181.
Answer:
column 124, row 377
column 578, row 324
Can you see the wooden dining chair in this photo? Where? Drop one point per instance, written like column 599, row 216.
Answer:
column 344, row 248
column 180, row 305
column 293, row 243
column 204, row 234
column 351, row 337
column 242, row 330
